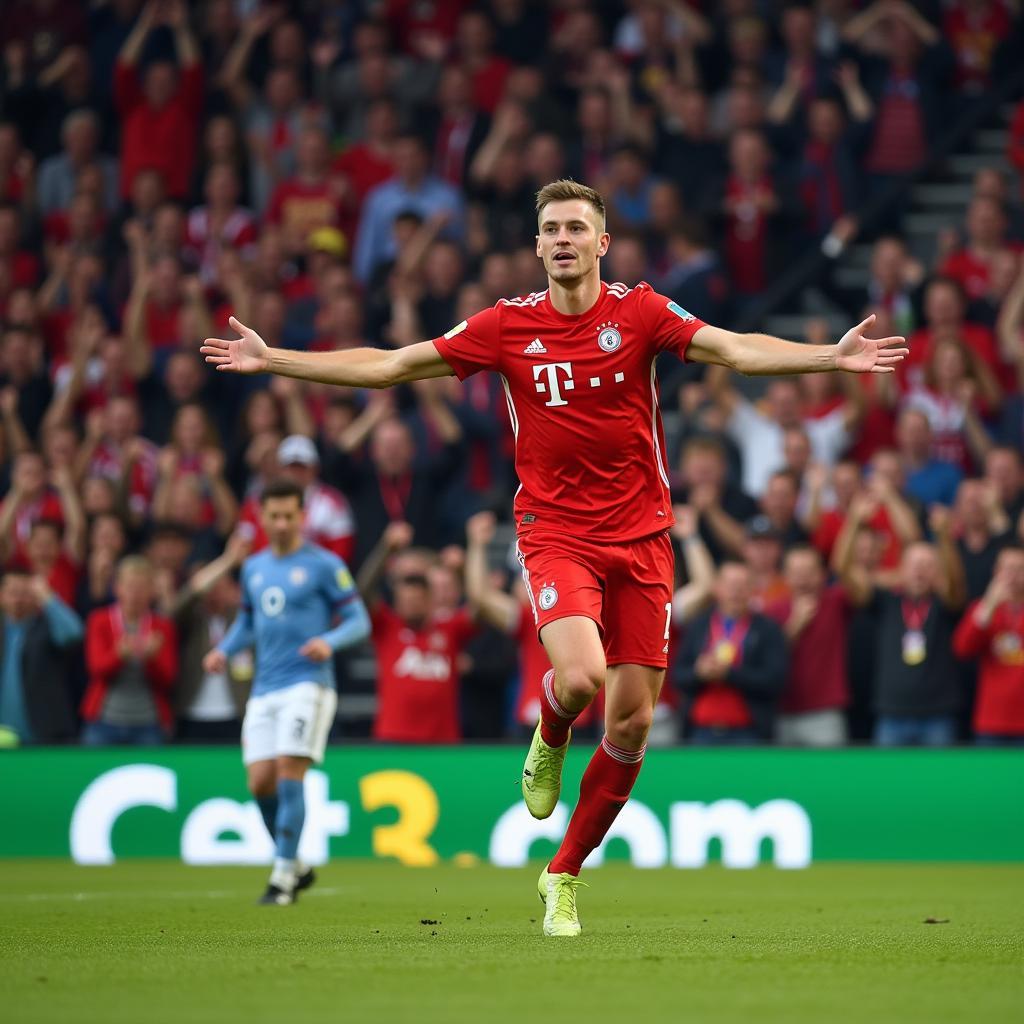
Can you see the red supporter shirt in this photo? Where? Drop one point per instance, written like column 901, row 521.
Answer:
column 163, row 325
column 974, row 36
column 720, row 705
column 300, row 208
column 47, row 506
column 831, row 524
column 977, row 338
column 999, row 705
column 162, row 140
column 746, row 235
column 971, row 272
column 364, row 168
column 417, row 678
column 816, row 680
column 583, row 400
column 900, row 141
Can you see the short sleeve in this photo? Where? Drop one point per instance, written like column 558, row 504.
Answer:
column 472, row 345
column 670, row 326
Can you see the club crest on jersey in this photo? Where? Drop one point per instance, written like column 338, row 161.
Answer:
column 608, row 337
column 297, row 576
column 547, row 598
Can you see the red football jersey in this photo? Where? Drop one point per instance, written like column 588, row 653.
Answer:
column 417, row 676
column 583, row 400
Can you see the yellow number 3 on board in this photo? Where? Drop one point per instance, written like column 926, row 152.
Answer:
column 418, row 811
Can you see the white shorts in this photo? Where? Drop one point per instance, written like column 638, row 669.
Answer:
column 293, row 722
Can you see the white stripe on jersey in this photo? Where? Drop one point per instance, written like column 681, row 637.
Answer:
column 526, row 579
column 654, row 427
column 511, row 406
column 530, row 300
column 513, row 419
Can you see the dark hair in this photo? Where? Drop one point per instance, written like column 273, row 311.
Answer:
column 804, row 549
column 949, row 282
column 49, row 523
column 282, row 488
column 787, row 474
column 169, row 528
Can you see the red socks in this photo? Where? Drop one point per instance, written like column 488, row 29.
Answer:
column 604, row 790
column 555, row 721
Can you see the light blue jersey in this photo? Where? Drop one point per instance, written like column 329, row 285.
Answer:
column 287, row 600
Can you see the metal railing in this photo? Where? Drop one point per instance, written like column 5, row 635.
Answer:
column 815, row 264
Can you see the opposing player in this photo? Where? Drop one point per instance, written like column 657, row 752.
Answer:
column 593, row 511
column 299, row 606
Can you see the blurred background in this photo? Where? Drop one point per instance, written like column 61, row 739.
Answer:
column 362, row 173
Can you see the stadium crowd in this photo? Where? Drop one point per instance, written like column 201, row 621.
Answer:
column 343, row 174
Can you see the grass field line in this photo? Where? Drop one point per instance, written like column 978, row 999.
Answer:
column 210, row 894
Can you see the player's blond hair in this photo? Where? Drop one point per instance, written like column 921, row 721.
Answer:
column 567, row 189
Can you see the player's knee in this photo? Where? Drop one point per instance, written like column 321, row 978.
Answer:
column 292, row 767
column 263, row 782
column 579, row 683
column 630, row 729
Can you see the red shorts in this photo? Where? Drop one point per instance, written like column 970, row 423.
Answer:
column 625, row 588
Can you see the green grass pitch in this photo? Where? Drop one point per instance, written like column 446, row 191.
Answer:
column 154, row 942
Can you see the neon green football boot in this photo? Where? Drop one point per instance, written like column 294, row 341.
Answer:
column 542, row 775
column 558, row 894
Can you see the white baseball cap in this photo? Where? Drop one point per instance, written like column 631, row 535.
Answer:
column 297, row 448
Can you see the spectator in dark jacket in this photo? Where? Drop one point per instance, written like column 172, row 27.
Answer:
column 917, row 682
column 390, row 484
column 36, row 629
column 732, row 666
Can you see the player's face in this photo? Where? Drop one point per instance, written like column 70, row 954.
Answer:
column 571, row 240
column 282, row 521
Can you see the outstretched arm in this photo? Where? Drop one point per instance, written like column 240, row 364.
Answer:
column 356, row 367
column 761, row 355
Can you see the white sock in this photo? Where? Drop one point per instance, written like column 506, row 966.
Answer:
column 283, row 875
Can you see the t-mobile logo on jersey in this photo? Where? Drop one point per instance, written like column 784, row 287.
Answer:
column 550, row 383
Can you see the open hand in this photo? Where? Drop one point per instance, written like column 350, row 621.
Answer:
column 857, row 354
column 248, row 354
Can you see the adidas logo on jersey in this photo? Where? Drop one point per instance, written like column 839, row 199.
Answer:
column 535, row 348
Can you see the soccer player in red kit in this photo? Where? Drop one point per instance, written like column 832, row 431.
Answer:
column 593, row 511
